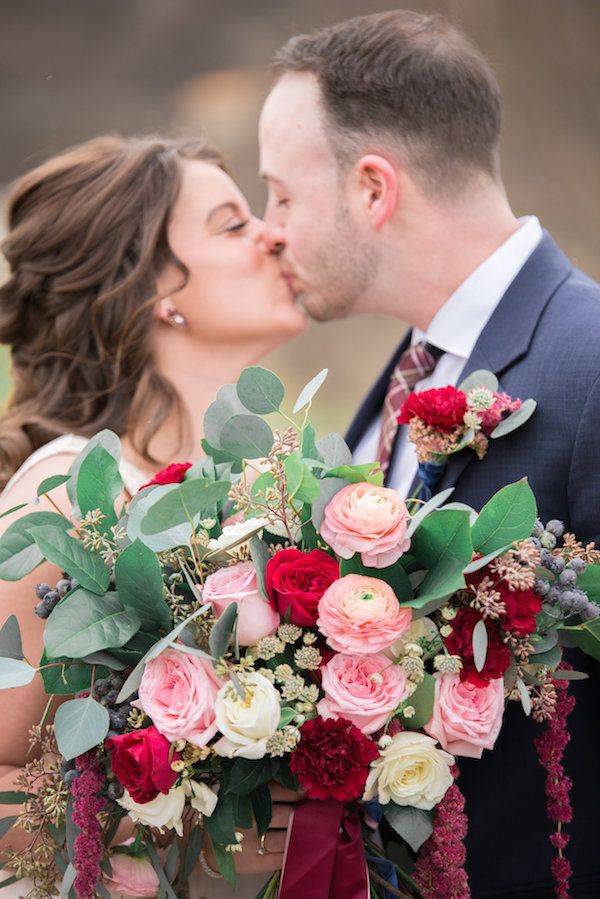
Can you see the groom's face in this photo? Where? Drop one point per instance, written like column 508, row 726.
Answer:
column 309, row 217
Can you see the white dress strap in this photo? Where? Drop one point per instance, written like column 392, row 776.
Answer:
column 72, row 444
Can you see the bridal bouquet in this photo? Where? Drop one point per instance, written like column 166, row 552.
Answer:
column 273, row 613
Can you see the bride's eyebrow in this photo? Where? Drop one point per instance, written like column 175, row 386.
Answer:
column 230, row 206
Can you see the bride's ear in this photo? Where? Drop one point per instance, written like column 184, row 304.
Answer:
column 378, row 183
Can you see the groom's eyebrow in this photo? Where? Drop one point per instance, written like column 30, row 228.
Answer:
column 229, row 205
column 266, row 177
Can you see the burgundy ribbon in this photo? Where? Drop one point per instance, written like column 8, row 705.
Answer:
column 324, row 857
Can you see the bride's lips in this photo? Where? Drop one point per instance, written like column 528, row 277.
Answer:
column 290, row 281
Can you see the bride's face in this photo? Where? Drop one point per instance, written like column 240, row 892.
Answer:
column 235, row 290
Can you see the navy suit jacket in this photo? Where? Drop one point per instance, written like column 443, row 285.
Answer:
column 543, row 341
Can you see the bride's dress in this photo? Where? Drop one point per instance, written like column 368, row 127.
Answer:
column 201, row 886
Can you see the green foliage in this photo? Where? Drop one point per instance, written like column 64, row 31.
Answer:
column 515, row 420
column 302, row 485
column 442, row 545
column 259, row 390
column 259, row 553
column 262, row 807
column 226, row 404
column 68, row 554
column 51, row 483
column 479, row 378
column 19, row 554
column 394, row 575
column 183, row 504
column 327, row 490
column 422, row 702
column 177, row 535
column 426, row 509
column 246, row 437
column 309, row 390
column 84, row 622
column 79, row 725
column 589, row 582
column 334, row 451
column 508, row 516
column 99, row 483
column 140, row 586
column 414, row 825
column 106, row 439
column 10, row 639
column 68, row 678
column 355, row 474
column 247, row 775
column 222, row 631
column 586, row 636
column 480, row 644
column 15, row 673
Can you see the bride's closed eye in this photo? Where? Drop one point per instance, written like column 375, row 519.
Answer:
column 237, row 226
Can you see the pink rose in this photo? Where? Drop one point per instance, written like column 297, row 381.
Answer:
column 178, row 692
column 366, row 519
column 131, row 875
column 256, row 616
column 363, row 689
column 466, row 718
column 361, row 614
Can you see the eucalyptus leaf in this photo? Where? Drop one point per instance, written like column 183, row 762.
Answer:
column 309, row 390
column 393, row 575
column 99, row 483
column 262, row 806
column 15, row 673
column 463, row 507
column 221, row 824
column 68, row 554
column 356, row 474
column 226, row 404
column 543, row 643
column 83, row 623
column 140, row 586
column 479, row 378
column 68, row 880
column 247, row 437
column 165, row 887
column 586, row 636
column 414, row 825
column 183, row 504
column 334, row 451
column 64, row 677
column 259, row 553
column 569, row 675
column 523, row 695
column 477, row 564
column 247, row 775
column 170, row 537
column 515, row 420
column 440, row 582
column 589, row 582
column 111, row 443
column 434, row 503
column 259, row 390
column 10, row 639
column 550, row 657
column 309, row 444
column 328, row 488
column 480, row 644
column 51, row 483
column 80, row 725
column 6, row 824
column 507, row 517
column 13, row 509
column 13, row 797
column 422, row 702
column 222, row 631
column 19, row 554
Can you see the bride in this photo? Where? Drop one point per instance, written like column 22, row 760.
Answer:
column 139, row 282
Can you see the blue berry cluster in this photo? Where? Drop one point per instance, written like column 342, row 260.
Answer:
column 49, row 597
column 559, row 588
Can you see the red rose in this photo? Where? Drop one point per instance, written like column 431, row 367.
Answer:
column 140, row 762
column 521, row 605
column 172, row 474
column 443, row 408
column 332, row 759
column 297, row 581
column 460, row 643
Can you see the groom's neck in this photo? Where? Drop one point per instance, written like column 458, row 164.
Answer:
column 436, row 247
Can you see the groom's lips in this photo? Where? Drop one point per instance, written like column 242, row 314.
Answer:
column 290, row 281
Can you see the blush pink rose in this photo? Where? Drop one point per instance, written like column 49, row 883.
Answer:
column 132, row 876
column 361, row 614
column 363, row 689
column 366, row 519
column 256, row 616
column 466, row 718
column 178, row 692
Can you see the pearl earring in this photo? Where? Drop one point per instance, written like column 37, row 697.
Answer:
column 176, row 319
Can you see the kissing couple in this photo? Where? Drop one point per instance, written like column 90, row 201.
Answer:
column 139, row 282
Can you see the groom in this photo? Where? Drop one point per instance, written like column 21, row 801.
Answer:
column 380, row 149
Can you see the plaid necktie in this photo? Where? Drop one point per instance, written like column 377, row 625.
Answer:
column 416, row 363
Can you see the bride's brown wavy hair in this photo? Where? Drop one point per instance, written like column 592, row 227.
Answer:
column 87, row 239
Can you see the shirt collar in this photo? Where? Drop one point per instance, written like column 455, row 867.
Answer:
column 457, row 325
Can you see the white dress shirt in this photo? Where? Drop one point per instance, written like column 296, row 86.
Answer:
column 455, row 329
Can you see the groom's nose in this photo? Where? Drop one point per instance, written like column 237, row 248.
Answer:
column 273, row 237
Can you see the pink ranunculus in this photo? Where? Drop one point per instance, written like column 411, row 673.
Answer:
column 178, row 691
column 361, row 614
column 256, row 616
column 365, row 689
column 466, row 719
column 366, row 519
column 131, row 875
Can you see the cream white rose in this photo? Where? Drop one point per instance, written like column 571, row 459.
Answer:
column 247, row 724
column 412, row 770
column 164, row 811
column 422, row 627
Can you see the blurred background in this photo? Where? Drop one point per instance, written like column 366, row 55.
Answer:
column 72, row 69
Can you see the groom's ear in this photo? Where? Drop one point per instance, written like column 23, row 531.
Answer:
column 378, row 184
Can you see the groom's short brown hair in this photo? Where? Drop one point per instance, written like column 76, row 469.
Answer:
column 413, row 80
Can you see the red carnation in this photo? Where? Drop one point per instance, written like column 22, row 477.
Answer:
column 521, row 605
column 172, row 474
column 442, row 408
column 460, row 643
column 297, row 581
column 332, row 759
column 140, row 762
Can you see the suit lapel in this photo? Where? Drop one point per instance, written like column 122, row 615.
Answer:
column 507, row 336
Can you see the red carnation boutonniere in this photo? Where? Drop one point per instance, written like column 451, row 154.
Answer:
column 446, row 420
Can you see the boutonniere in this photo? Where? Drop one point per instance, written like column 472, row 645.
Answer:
column 447, row 420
